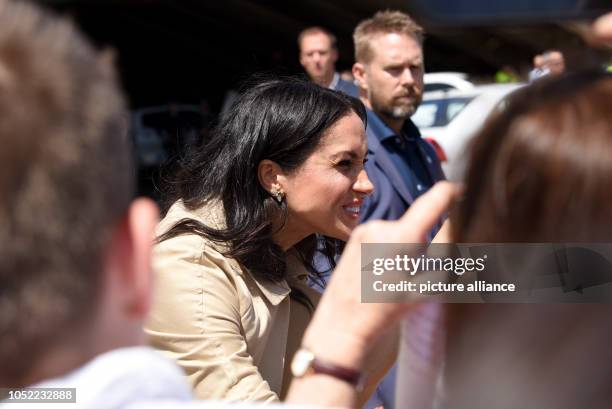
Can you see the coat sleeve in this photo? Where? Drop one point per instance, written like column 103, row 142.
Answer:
column 195, row 320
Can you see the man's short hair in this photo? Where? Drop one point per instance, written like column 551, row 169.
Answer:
column 66, row 181
column 383, row 22
column 317, row 30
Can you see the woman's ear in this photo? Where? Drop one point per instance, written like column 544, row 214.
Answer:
column 268, row 173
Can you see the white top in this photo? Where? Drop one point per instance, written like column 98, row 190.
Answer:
column 128, row 378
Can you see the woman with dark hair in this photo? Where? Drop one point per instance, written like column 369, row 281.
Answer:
column 540, row 172
column 284, row 167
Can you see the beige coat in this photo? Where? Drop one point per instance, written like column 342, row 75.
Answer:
column 232, row 334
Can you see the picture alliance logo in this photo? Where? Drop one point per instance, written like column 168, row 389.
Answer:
column 414, row 265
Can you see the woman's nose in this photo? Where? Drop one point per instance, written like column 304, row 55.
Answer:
column 363, row 184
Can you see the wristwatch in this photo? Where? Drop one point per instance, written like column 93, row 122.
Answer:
column 305, row 363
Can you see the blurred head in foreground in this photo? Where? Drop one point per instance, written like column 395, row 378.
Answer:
column 541, row 168
column 540, row 171
column 73, row 250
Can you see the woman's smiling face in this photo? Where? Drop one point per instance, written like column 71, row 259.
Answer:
column 325, row 193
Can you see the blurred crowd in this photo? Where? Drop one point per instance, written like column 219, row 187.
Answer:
column 248, row 290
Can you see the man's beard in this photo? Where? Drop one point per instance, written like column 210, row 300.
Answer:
column 394, row 111
column 399, row 112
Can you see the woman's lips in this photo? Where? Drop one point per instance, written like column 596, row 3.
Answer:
column 353, row 209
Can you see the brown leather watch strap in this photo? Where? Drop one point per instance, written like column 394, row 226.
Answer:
column 351, row 376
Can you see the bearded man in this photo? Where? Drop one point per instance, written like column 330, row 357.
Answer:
column 389, row 70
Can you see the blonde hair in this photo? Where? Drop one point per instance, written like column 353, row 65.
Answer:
column 383, row 22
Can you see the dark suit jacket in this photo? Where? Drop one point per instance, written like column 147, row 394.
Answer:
column 393, row 192
column 347, row 87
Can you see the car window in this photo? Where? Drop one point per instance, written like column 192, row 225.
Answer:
column 425, row 116
column 454, row 107
column 439, row 112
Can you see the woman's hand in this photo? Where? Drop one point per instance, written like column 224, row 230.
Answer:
column 344, row 330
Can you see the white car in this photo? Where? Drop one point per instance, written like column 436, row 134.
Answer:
column 449, row 119
column 438, row 81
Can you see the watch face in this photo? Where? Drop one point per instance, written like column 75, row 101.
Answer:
column 301, row 362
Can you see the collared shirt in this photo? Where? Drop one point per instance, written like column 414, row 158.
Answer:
column 348, row 87
column 334, row 82
column 406, row 154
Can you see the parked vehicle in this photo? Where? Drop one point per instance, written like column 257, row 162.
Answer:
column 160, row 132
column 449, row 120
column 439, row 81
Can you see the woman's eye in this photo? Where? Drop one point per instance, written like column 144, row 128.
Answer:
column 351, row 163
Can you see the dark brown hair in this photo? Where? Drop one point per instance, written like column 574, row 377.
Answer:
column 65, row 181
column 541, row 169
column 282, row 120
